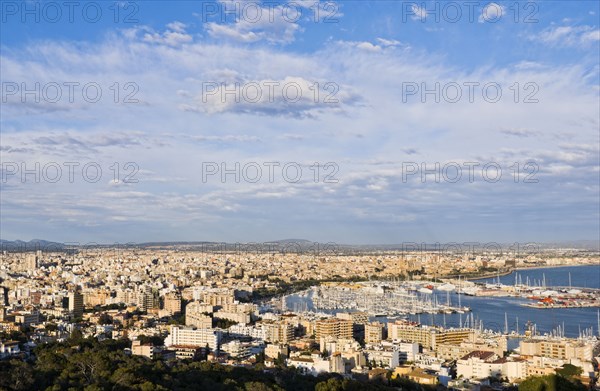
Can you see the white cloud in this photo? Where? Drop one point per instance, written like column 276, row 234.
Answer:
column 274, row 23
column 418, row 13
column 388, row 42
column 235, row 32
column 371, row 47
column 492, row 13
column 169, row 143
column 292, row 97
column 271, row 24
column 174, row 35
column 519, row 132
column 590, row 36
column 368, row 46
column 227, row 139
column 523, row 65
column 177, row 26
column 568, row 36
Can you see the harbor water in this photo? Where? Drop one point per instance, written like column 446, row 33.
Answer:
column 502, row 313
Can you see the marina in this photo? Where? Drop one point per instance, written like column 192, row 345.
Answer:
column 382, row 298
column 500, row 313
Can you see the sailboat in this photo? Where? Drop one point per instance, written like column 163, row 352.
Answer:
column 447, row 287
column 426, row 290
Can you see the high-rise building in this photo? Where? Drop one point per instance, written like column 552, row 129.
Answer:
column 355, row 317
column 278, row 332
column 339, row 328
column 31, row 263
column 148, row 299
column 3, row 296
column 173, row 303
column 76, row 304
column 428, row 337
column 373, row 332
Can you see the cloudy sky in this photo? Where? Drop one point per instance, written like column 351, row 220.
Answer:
column 245, row 121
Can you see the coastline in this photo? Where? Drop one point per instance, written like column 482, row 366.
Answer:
column 486, row 276
column 506, row 273
column 554, row 266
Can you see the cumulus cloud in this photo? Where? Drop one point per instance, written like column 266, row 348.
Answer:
column 271, row 24
column 291, row 96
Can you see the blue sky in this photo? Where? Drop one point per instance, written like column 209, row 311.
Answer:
column 171, row 124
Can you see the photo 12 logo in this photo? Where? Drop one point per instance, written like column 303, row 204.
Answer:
column 28, row 12
column 53, row 172
column 453, row 172
column 469, row 12
column 253, row 172
column 468, row 91
column 288, row 92
column 251, row 12
column 69, row 92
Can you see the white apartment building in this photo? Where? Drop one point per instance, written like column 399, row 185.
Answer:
column 237, row 349
column 315, row 365
column 275, row 350
column 255, row 332
column 408, row 351
column 564, row 349
column 239, row 317
column 194, row 337
column 383, row 356
column 334, row 345
column 479, row 368
column 8, row 348
column 477, row 365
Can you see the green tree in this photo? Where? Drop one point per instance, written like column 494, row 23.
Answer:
column 257, row 386
column 76, row 337
column 105, row 319
column 550, row 383
column 16, row 375
column 92, row 365
column 332, row 384
column 155, row 340
column 569, row 371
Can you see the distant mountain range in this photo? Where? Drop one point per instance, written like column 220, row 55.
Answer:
column 291, row 245
column 32, row 245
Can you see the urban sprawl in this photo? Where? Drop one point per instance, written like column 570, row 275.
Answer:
column 183, row 303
